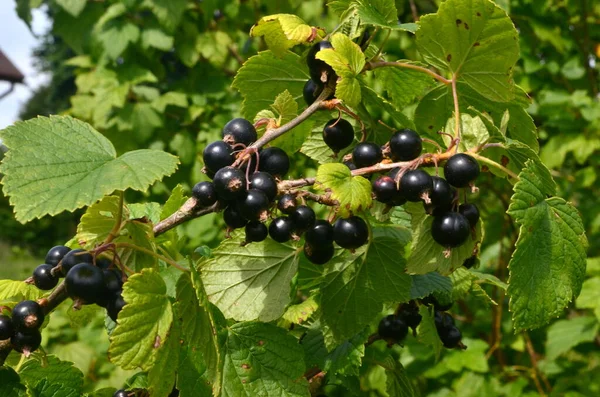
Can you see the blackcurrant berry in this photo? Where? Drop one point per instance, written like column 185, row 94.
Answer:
column 74, row 257
column 319, row 255
column 303, row 218
column 265, row 182
column 320, row 234
column 56, row 254
column 217, row 15
column 350, row 165
column 338, row 134
column 113, row 282
column 416, row 185
column 6, row 327
column 256, row 232
column 274, row 161
column 233, row 218
column 384, row 189
column 392, row 328
column 239, row 131
column 442, row 194
column 281, row 229
column 114, row 307
column 366, row 154
column 461, row 169
column 104, row 263
column 287, row 203
column 412, row 318
column 451, row 229
column 405, row 145
column 217, row 155
column 350, row 233
column 443, row 321
column 26, row 343
column 253, row 205
column 85, row 283
column 471, row 212
column 318, row 69
column 311, row 91
column 27, row 316
column 43, row 278
column 230, row 183
column 451, row 337
column 205, row 193
column 470, row 262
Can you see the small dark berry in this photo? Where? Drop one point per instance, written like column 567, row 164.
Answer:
column 27, row 316
column 217, row 15
column 338, row 134
column 303, row 218
column 461, row 170
column 274, row 161
column 470, row 262
column 74, row 257
column 405, row 145
column 471, row 212
column 366, row 154
column 384, row 189
column 114, row 307
column 7, row 328
column 443, row 321
column 230, row 183
column 256, row 232
column 318, row 69
column 451, row 337
column 416, row 185
column 319, row 255
column 350, row 165
column 254, row 205
column 239, row 131
column 287, row 204
column 450, row 230
column 412, row 318
column 350, row 233
column 26, row 343
column 320, row 234
column 265, row 182
column 281, row 229
column 56, row 254
column 233, row 218
column 311, row 91
column 43, row 278
column 442, row 194
column 205, row 193
column 217, row 155
column 85, row 283
column 392, row 328
column 103, row 262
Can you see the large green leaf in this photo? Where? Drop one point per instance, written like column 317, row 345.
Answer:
column 18, row 290
column 547, row 268
column 353, row 193
column 283, row 31
column 79, row 166
column 398, row 383
column 403, row 85
column 564, row 335
column 590, row 296
column 53, row 370
column 161, row 377
column 46, row 388
column 10, row 384
column 427, row 331
column 73, row 7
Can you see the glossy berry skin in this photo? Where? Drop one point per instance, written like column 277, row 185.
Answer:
column 113, row 282
column 256, row 232
column 303, row 218
column 405, row 145
column 442, row 194
column 350, row 233
column 27, row 316
column 121, row 393
column 366, row 154
column 350, row 165
column 103, row 262
column 392, row 328
column 443, row 321
column 56, row 254
column 43, row 278
column 318, row 69
column 239, row 131
column 217, row 155
column 281, row 229
column 412, row 318
column 320, row 234
column 414, row 184
column 384, row 189
column 205, row 193
column 311, row 91
column 230, row 183
column 233, row 218
column 274, row 161
column 253, row 205
column 451, row 337
column 461, row 170
column 471, row 212
column 450, row 229
column 287, row 204
column 74, row 257
column 265, row 182
column 338, row 134
column 26, row 342
column 114, row 307
column 6, row 327
column 318, row 255
column 85, row 283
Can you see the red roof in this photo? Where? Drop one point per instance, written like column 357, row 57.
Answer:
column 8, row 71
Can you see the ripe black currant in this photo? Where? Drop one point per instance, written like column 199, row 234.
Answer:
column 384, row 189
column 416, row 185
column 26, row 343
column 350, row 165
column 74, row 257
column 217, row 155
column 318, row 69
column 350, row 233
column 320, row 234
column 440, row 307
column 114, row 307
column 451, row 337
column 56, row 254
column 6, row 327
column 253, row 205
column 113, row 282
column 274, row 161
column 230, row 183
column 319, row 255
column 450, row 229
column 287, row 204
column 85, row 283
column 442, row 321
column 405, row 145
column 311, row 91
column 256, row 232
column 233, row 218
column 205, row 193
column 303, row 218
column 461, row 169
column 239, row 131
column 471, row 212
column 442, row 195
column 366, row 154
column 338, row 134
column 104, row 262
column 281, row 229
column 265, row 182
column 470, row 262
column 43, row 278
column 392, row 328
column 412, row 318
column 27, row 316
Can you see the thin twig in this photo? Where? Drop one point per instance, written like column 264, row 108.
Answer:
column 457, row 134
column 534, row 363
column 118, row 222
column 398, row 64
column 494, row 164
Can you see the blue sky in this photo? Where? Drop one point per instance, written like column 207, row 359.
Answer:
column 17, row 42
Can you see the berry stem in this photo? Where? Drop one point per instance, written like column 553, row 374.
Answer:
column 118, row 222
column 152, row 253
column 494, row 164
column 188, row 211
column 398, row 64
column 457, row 134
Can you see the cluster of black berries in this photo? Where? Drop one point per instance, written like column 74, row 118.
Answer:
column 86, row 282
column 394, row 328
column 449, row 334
column 23, row 326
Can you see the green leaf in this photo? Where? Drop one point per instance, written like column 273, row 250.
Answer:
column 473, row 132
column 49, row 184
column 157, row 38
column 18, row 290
column 300, row 313
column 382, row 13
column 175, row 200
column 353, row 193
column 144, row 322
column 424, row 284
column 116, row 37
column 286, row 108
column 474, row 40
column 473, row 359
column 398, row 383
column 284, row 31
column 590, row 296
column 427, row 332
column 73, row 7
column 190, row 376
column 54, row 371
column 10, row 383
column 357, row 286
column 45, row 388
column 547, row 268
column 564, row 335
column 161, row 377
column 262, row 357
column 403, row 85
column 250, row 282
column 168, row 12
